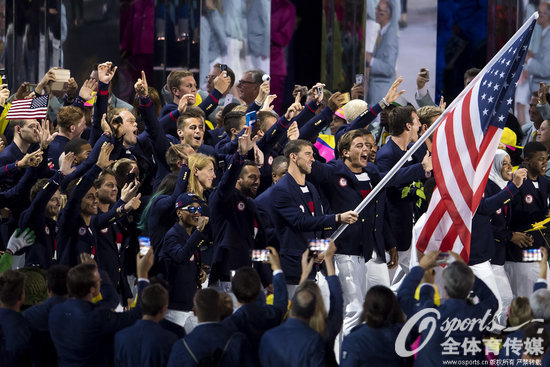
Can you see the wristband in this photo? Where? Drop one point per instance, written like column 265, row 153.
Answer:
column 338, row 218
column 385, row 102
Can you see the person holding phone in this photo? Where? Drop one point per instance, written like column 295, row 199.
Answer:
column 180, row 256
column 529, row 206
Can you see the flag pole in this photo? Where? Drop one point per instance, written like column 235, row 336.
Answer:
column 432, row 128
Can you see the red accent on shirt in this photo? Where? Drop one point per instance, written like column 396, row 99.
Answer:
column 311, row 207
column 103, row 92
column 364, row 193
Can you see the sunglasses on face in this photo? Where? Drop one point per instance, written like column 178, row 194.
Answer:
column 193, row 209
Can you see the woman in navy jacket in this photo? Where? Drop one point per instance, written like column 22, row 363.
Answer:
column 180, row 254
column 372, row 342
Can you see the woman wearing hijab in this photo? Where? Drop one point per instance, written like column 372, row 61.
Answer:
column 501, row 187
column 500, row 175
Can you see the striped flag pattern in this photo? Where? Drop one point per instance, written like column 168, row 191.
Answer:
column 464, row 147
column 34, row 108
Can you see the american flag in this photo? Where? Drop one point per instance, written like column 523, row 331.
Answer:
column 464, row 147
column 35, row 108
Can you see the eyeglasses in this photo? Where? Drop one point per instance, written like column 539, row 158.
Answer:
column 246, row 82
column 193, row 209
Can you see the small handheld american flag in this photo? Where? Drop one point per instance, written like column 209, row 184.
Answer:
column 35, row 108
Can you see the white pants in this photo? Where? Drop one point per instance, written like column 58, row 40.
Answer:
column 356, row 277
column 484, row 271
column 522, row 277
column 403, row 268
column 185, row 319
column 505, row 291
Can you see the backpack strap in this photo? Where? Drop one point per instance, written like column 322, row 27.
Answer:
column 225, row 348
column 191, row 352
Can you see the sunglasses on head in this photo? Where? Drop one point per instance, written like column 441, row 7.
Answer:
column 193, row 209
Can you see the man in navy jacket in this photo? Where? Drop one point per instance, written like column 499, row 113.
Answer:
column 294, row 343
column 451, row 341
column 15, row 341
column 235, row 224
column 404, row 126
column 210, row 338
column 254, row 317
column 146, row 343
column 81, row 330
column 297, row 211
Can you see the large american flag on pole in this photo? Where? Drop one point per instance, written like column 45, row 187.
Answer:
column 32, row 108
column 464, row 147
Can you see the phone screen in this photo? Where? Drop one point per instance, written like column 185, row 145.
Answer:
column 144, row 245
column 359, row 79
column 251, row 118
column 260, row 255
column 318, row 246
column 532, row 255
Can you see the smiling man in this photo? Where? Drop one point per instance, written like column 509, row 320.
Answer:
column 530, row 205
column 191, row 130
column 298, row 213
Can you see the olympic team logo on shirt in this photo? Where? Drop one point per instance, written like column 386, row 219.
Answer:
column 82, row 231
column 499, row 211
column 47, row 230
column 303, row 209
column 240, row 206
column 343, row 182
column 270, row 160
column 528, row 199
column 105, row 230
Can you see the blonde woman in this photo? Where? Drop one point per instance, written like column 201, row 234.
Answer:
column 202, row 174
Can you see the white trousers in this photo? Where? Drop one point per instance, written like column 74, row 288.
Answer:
column 185, row 319
column 522, row 277
column 505, row 290
column 484, row 271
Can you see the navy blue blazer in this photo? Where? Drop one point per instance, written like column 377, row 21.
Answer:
column 431, row 354
column 42, row 252
column 145, row 343
column 82, row 331
column 482, row 247
column 295, row 223
column 263, row 205
column 204, row 340
column 255, row 318
column 44, row 353
column 293, row 343
column 528, row 206
column 500, row 221
column 233, row 218
column 401, row 209
column 15, row 339
column 180, row 257
column 56, row 147
column 367, row 346
column 372, row 230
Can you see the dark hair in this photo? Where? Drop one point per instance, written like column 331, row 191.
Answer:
column 100, row 180
column 246, row 285
column 229, row 108
column 398, row 118
column 257, row 75
column 226, row 305
column 247, row 163
column 39, row 185
column 57, row 279
column 206, row 305
column 536, row 330
column 230, row 73
column 296, row 146
column 80, row 279
column 190, row 112
column 345, row 141
column 262, row 119
column 278, row 161
column 471, row 73
column 153, row 299
column 166, row 187
column 303, row 304
column 381, row 308
column 232, row 120
column 533, row 147
column 12, row 283
column 75, row 145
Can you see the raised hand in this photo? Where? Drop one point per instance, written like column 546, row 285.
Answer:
column 104, row 154
column 141, row 87
column 245, row 141
column 393, row 93
column 184, row 102
column 66, row 166
column 293, row 110
column 263, row 93
column 72, row 87
column 4, row 94
column 31, row 159
column 267, row 103
column 87, row 89
column 45, row 137
column 106, row 72
column 222, row 82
